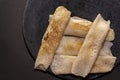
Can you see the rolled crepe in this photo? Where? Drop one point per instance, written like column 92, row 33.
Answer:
column 69, row 46
column 105, row 50
column 80, row 27
column 91, row 47
column 77, row 27
column 52, row 37
column 111, row 35
column 105, row 61
column 62, row 64
column 103, row 64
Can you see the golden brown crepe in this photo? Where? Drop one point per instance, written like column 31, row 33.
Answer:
column 91, row 47
column 79, row 27
column 103, row 64
column 52, row 37
column 62, row 62
column 84, row 50
column 69, row 45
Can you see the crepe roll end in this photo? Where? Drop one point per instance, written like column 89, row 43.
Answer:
column 41, row 67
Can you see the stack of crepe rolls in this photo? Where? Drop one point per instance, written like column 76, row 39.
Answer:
column 73, row 45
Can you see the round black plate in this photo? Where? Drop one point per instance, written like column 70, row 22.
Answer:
column 36, row 20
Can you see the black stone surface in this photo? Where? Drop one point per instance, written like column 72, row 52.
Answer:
column 36, row 21
column 37, row 14
column 15, row 61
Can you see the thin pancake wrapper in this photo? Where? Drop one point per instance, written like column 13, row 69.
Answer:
column 91, row 47
column 69, row 46
column 79, row 27
column 52, row 37
column 62, row 62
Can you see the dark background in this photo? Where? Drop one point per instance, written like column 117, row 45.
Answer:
column 15, row 61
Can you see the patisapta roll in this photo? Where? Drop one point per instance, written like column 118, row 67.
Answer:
column 79, row 27
column 91, row 46
column 69, row 45
column 62, row 63
column 52, row 38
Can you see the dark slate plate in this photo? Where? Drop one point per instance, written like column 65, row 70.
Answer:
column 36, row 20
